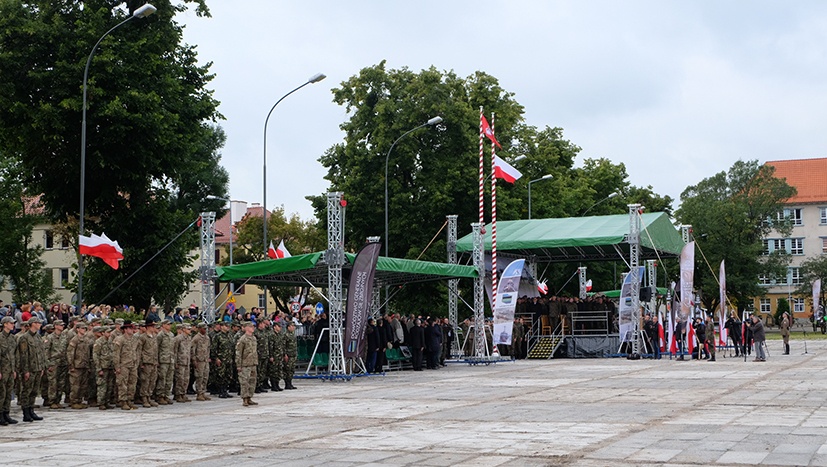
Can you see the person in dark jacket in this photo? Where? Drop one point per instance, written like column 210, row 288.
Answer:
column 733, row 327
column 382, row 335
column 372, row 339
column 433, row 341
column 757, row 328
column 417, row 344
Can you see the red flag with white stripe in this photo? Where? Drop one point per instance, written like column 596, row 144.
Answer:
column 505, row 171
column 282, row 252
column 101, row 247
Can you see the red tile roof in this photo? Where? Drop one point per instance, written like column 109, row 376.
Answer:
column 808, row 176
column 222, row 225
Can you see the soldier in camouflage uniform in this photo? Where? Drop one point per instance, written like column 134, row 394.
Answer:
column 201, row 361
column 246, row 358
column 148, row 374
column 290, row 353
column 262, row 340
column 182, row 348
column 276, row 355
column 222, row 350
column 125, row 363
column 31, row 361
column 8, row 364
column 104, row 374
column 78, row 358
column 166, row 364
column 57, row 365
column 213, row 331
column 91, row 384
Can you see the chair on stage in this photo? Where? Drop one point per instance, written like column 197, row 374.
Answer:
column 545, row 326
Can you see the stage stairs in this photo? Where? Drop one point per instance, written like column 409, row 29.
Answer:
column 545, row 347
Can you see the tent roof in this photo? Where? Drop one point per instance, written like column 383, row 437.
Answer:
column 312, row 266
column 591, row 238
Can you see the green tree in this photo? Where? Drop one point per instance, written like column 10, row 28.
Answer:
column 152, row 139
column 729, row 214
column 812, row 269
column 299, row 237
column 783, row 307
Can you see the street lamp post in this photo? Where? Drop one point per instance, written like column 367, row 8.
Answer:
column 544, row 177
column 313, row 79
column 141, row 12
column 433, row 121
column 611, row 195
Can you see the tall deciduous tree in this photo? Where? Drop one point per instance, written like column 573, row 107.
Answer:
column 152, row 152
column 731, row 213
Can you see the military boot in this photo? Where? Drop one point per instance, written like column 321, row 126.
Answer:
column 34, row 416
column 288, row 384
column 8, row 419
column 200, row 397
column 3, row 421
column 276, row 387
column 250, row 401
column 152, row 402
column 145, row 402
column 245, row 402
column 125, row 406
column 28, row 418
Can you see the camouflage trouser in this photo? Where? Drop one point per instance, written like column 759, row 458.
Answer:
column 202, row 374
column 78, row 386
column 163, row 384
column 182, row 379
column 287, row 369
column 127, row 380
column 105, row 385
column 6, row 388
column 274, row 371
column 29, row 389
column 91, row 386
column 58, row 383
column 263, row 371
column 247, row 377
column 148, row 377
column 710, row 345
column 222, row 375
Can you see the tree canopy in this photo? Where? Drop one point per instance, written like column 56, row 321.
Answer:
column 152, row 152
column 729, row 215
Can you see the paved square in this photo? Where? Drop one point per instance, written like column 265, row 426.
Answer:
column 575, row 412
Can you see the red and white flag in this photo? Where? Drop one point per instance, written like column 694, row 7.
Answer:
column 282, row 252
column 542, row 287
column 690, row 337
column 662, row 340
column 589, row 285
column 488, row 132
column 505, row 171
column 271, row 252
column 101, row 247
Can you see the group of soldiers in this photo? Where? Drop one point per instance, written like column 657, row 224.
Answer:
column 105, row 362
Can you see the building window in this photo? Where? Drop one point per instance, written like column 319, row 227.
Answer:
column 64, row 278
column 794, row 216
column 50, row 239
column 796, row 246
column 795, row 276
column 64, row 242
column 824, row 244
column 778, row 244
column 261, row 300
column 798, row 305
column 765, row 306
column 822, row 214
column 767, row 247
column 764, row 279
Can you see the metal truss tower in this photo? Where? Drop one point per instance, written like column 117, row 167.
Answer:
column 634, row 279
column 480, row 347
column 581, row 274
column 207, row 270
column 453, row 284
column 335, row 259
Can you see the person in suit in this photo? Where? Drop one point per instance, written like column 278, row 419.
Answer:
column 417, row 344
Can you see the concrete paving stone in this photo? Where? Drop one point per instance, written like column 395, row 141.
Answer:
column 775, row 458
column 742, row 457
column 698, row 454
column 654, row 455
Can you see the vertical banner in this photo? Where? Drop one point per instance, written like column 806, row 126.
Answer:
column 816, row 297
column 359, row 293
column 625, row 313
column 509, row 290
column 722, row 313
column 687, row 280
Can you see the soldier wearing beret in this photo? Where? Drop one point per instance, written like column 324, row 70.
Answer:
column 201, row 361
column 31, row 361
column 246, row 357
column 181, row 347
column 8, row 364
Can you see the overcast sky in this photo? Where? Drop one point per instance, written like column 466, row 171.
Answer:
column 675, row 90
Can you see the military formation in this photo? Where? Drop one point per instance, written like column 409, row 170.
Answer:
column 119, row 364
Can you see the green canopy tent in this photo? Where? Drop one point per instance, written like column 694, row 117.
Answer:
column 594, row 238
column 300, row 269
column 616, row 293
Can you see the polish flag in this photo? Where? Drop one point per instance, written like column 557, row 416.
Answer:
column 101, row 247
column 542, row 287
column 489, row 133
column 505, row 171
column 281, row 251
column 589, row 285
column 271, row 252
column 673, row 344
column 661, row 337
column 690, row 337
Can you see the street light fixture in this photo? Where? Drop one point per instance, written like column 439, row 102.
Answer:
column 611, row 195
column 141, row 12
column 544, row 177
column 313, row 79
column 430, row 122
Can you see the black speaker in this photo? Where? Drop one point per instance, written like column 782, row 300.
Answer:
column 645, row 294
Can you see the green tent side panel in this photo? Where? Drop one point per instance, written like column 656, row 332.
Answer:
column 268, row 267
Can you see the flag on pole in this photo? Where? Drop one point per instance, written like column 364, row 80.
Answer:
column 282, row 252
column 505, row 171
column 271, row 252
column 687, row 265
column 690, row 337
column 488, row 132
column 589, row 285
column 816, row 297
column 722, row 335
column 661, row 337
column 101, row 247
